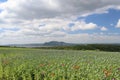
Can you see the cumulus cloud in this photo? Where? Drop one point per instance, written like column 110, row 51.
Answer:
column 104, row 29
column 118, row 24
column 71, row 38
column 54, row 8
column 83, row 26
column 51, row 27
column 45, row 20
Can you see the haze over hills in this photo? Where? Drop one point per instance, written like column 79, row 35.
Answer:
column 53, row 44
column 69, row 46
column 46, row 44
column 56, row 43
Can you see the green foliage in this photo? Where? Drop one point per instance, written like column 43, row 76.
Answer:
column 100, row 47
column 38, row 64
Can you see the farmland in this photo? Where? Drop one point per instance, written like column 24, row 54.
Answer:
column 44, row 64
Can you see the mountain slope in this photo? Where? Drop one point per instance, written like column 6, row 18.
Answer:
column 56, row 43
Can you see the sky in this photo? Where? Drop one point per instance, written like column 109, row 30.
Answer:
column 72, row 21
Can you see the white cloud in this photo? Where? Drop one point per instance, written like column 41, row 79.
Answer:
column 81, row 25
column 43, row 20
column 71, row 38
column 33, row 9
column 111, row 24
column 104, row 29
column 43, row 30
column 57, row 25
column 46, row 27
column 118, row 24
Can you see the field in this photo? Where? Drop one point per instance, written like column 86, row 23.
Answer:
column 43, row 64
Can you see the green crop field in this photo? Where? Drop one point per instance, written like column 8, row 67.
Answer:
column 38, row 64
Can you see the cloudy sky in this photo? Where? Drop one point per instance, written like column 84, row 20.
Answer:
column 75, row 21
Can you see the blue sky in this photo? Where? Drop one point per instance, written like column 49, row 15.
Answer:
column 34, row 21
column 3, row 0
column 109, row 20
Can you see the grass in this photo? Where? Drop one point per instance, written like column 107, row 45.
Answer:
column 38, row 64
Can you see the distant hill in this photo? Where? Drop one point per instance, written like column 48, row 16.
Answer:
column 25, row 45
column 56, row 43
column 69, row 46
column 46, row 44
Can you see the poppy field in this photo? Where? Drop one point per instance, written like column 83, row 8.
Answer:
column 43, row 64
